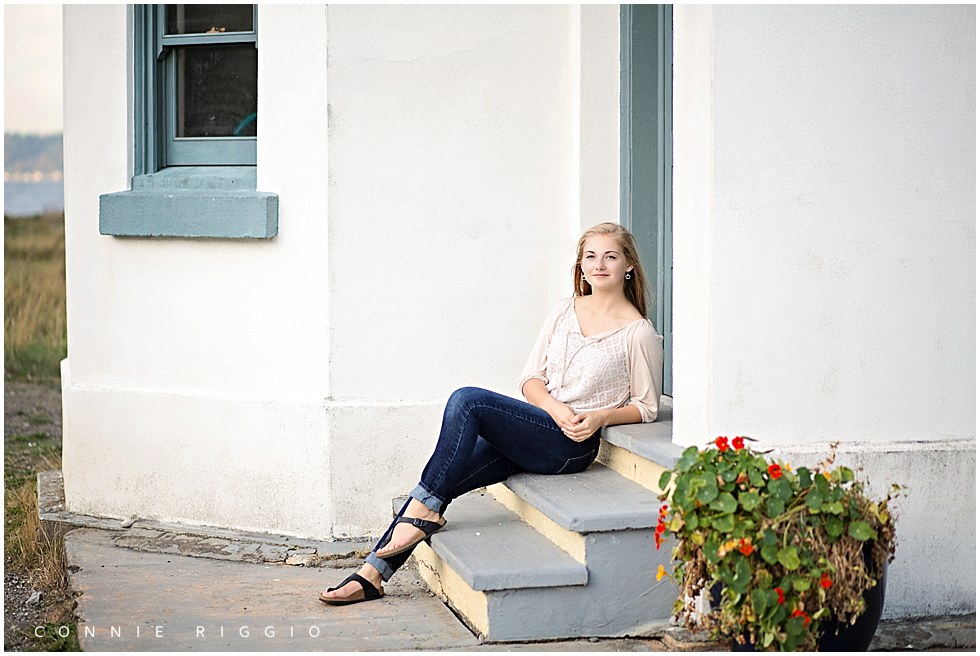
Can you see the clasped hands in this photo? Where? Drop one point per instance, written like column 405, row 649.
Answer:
column 577, row 426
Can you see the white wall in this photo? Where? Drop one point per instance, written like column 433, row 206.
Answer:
column 825, row 256
column 456, row 177
column 197, row 368
column 434, row 167
column 825, row 222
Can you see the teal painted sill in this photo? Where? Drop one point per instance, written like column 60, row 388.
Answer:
column 192, row 201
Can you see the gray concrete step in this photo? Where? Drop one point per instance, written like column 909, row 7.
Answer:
column 492, row 549
column 642, row 452
column 598, row 499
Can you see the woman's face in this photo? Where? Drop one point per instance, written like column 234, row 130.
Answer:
column 603, row 263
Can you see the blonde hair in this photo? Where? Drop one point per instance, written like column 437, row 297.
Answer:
column 637, row 287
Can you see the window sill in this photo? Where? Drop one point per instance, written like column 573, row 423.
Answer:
column 192, row 201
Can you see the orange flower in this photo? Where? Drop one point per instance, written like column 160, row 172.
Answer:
column 775, row 470
column 661, row 572
column 738, row 443
column 746, row 547
column 800, row 613
column 721, row 443
column 825, row 581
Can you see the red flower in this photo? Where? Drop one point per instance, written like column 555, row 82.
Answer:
column 661, row 527
column 746, row 548
column 780, row 594
column 738, row 443
column 825, row 581
column 721, row 443
column 658, row 539
column 775, row 470
column 800, row 613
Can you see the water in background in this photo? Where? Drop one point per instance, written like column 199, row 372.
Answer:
column 30, row 198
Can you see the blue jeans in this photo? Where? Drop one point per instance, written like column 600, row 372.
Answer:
column 485, row 438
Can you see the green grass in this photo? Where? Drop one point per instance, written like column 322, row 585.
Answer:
column 35, row 342
column 35, row 337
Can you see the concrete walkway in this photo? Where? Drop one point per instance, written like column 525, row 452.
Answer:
column 150, row 589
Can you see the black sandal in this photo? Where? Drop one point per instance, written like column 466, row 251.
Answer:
column 427, row 527
column 367, row 592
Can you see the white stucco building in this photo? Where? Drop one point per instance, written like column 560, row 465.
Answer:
column 420, row 177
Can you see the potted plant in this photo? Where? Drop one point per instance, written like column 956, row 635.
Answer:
column 788, row 555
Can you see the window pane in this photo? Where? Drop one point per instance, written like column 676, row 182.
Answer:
column 203, row 19
column 216, row 91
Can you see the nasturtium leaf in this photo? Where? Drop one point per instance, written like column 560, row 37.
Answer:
column 665, row 479
column 729, row 475
column 769, row 537
column 749, row 500
column 794, row 626
column 743, row 575
column 834, row 508
column 820, row 482
column 758, row 601
column 767, row 638
column 708, row 487
column 769, row 553
column 727, row 576
column 784, row 490
column 814, row 499
column 805, row 480
column 724, row 524
column 834, row 526
column 755, row 477
column 789, row 558
column 861, row 531
column 846, row 474
column 697, row 537
column 711, row 550
column 676, row 524
column 774, row 507
column 801, row 584
column 687, row 459
column 725, row 503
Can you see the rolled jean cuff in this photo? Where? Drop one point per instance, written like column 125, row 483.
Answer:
column 431, row 501
column 381, row 565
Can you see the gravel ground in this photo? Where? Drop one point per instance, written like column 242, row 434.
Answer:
column 31, row 426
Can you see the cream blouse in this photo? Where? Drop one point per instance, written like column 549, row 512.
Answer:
column 608, row 370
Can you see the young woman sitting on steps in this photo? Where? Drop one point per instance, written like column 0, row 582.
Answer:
column 597, row 362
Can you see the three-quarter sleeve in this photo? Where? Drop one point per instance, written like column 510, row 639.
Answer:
column 537, row 362
column 645, row 359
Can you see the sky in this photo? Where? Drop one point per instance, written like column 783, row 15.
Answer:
column 32, row 92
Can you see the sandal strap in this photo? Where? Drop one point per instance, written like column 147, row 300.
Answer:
column 424, row 525
column 370, row 592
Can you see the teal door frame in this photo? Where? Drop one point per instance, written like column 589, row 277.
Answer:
column 646, row 160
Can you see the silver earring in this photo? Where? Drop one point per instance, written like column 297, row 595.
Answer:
column 628, row 276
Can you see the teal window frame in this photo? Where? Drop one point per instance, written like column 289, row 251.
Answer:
column 205, row 190
column 196, row 151
column 646, row 154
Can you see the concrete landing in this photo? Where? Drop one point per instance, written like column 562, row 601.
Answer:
column 134, row 601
